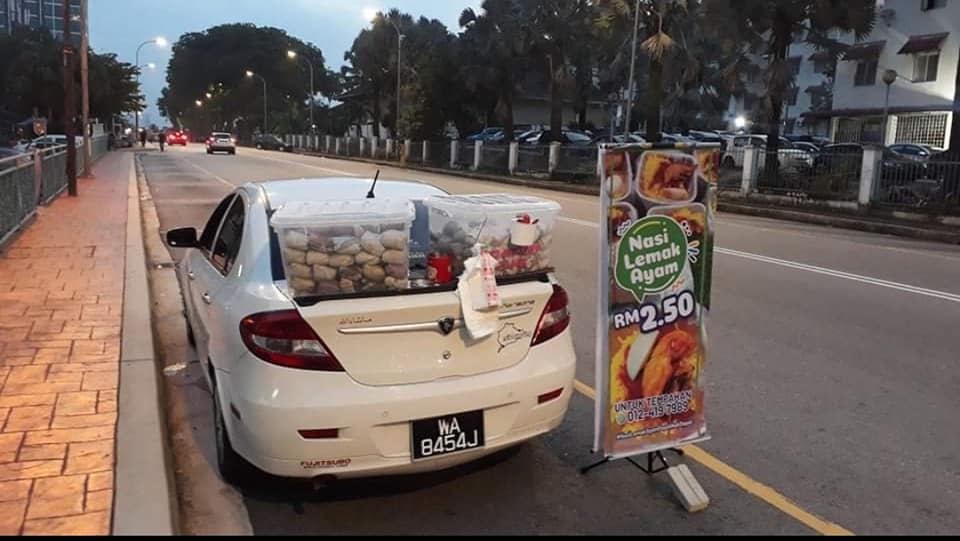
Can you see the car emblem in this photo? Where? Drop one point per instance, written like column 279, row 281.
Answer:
column 446, row 325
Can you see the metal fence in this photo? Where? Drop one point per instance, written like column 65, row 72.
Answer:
column 439, row 155
column 465, row 154
column 533, row 158
column 415, row 152
column 495, row 158
column 579, row 161
column 915, row 184
column 29, row 180
column 823, row 176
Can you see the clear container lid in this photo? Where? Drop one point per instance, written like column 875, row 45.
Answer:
column 491, row 203
column 356, row 211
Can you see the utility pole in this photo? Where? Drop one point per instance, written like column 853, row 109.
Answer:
column 85, row 88
column 633, row 62
column 68, row 105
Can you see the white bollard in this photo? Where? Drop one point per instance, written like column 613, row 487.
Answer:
column 751, row 163
column 477, row 155
column 869, row 172
column 554, row 159
column 425, row 152
column 374, row 146
column 406, row 150
column 337, row 146
column 363, row 145
column 391, row 143
column 513, row 157
column 454, row 151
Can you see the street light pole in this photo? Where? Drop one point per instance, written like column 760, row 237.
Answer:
column 161, row 42
column 633, row 62
column 68, row 106
column 399, row 59
column 889, row 77
column 293, row 54
column 85, row 88
column 252, row 74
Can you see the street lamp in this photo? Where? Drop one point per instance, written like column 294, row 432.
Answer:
column 209, row 95
column 160, row 41
column 199, row 103
column 369, row 12
column 888, row 77
column 252, row 74
column 293, row 55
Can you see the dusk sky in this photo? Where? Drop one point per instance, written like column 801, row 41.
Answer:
column 119, row 26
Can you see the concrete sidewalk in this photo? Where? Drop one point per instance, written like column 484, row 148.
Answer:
column 61, row 297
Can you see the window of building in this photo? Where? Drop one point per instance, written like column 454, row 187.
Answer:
column 927, row 5
column 925, row 67
column 923, row 129
column 866, row 74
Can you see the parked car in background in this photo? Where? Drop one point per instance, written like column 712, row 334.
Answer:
column 806, row 147
column 620, row 139
column 913, row 151
column 788, row 156
column 300, row 389
column 269, row 141
column 705, row 136
column 221, row 142
column 485, row 134
column 567, row 137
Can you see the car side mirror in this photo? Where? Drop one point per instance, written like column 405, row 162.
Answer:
column 184, row 237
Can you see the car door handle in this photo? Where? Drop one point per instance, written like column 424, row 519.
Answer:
column 206, row 298
column 192, row 275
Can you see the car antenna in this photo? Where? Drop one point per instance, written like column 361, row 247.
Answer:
column 370, row 194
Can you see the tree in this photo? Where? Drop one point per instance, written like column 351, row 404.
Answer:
column 558, row 30
column 370, row 70
column 219, row 57
column 495, row 54
column 773, row 26
column 31, row 79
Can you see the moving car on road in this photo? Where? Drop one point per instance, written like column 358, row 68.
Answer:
column 357, row 385
column 177, row 137
column 221, row 142
column 268, row 141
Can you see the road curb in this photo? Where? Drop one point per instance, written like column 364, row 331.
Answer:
column 144, row 499
column 801, row 216
column 206, row 505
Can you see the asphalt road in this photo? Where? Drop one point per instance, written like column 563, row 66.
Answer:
column 832, row 396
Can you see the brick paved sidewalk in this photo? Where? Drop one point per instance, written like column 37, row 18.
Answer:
column 61, row 291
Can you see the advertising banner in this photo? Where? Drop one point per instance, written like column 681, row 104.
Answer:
column 659, row 203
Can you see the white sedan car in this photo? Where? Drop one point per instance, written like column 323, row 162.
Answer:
column 362, row 385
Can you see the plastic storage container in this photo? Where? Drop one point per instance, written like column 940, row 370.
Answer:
column 338, row 247
column 516, row 229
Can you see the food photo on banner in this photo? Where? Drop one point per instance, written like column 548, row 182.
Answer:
column 659, row 202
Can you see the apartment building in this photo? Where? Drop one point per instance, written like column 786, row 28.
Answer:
column 40, row 14
column 919, row 40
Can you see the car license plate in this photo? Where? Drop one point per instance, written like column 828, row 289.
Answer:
column 447, row 434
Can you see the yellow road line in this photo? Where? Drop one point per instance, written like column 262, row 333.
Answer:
column 743, row 481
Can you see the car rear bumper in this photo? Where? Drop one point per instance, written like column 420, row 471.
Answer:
column 269, row 404
column 221, row 148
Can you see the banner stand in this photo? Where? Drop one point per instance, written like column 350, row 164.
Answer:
column 648, row 469
column 658, row 208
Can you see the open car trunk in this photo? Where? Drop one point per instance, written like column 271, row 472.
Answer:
column 418, row 337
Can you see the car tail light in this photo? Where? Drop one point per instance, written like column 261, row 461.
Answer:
column 283, row 338
column 555, row 318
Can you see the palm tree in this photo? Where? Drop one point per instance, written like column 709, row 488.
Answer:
column 773, row 26
column 558, row 30
column 495, row 50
